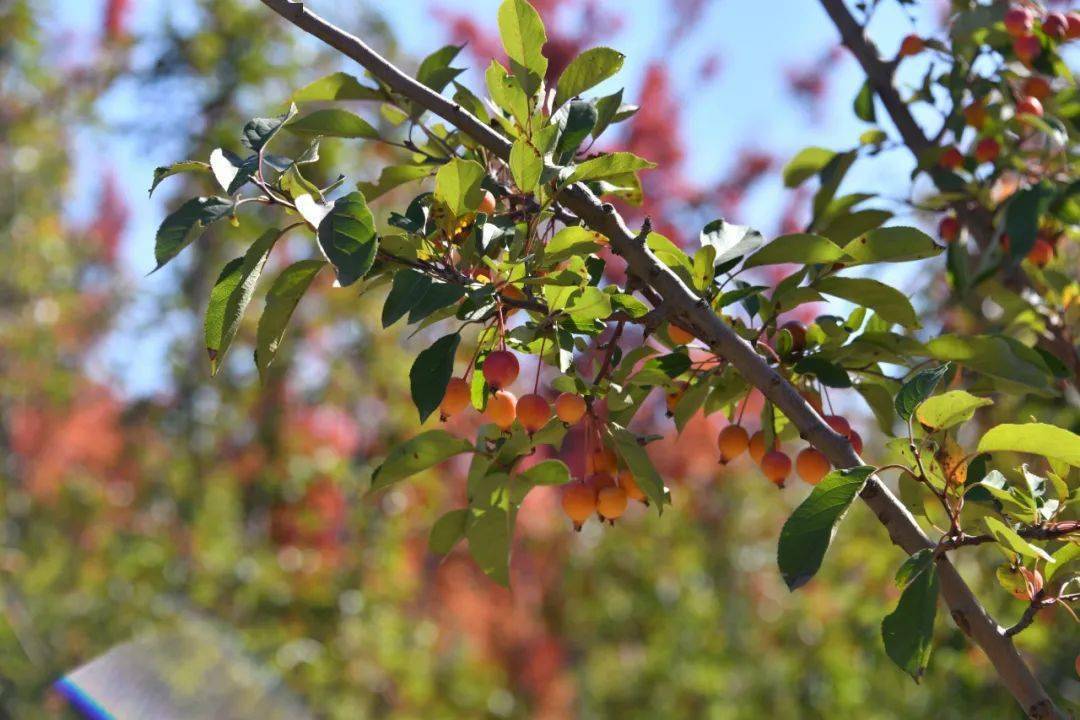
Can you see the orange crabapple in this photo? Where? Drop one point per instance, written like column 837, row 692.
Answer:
column 1027, row 48
column 733, row 441
column 578, row 502
column 487, row 203
column 570, row 407
column 502, row 409
column 1018, row 21
column 951, row 159
column 456, row 398
column 812, row 465
column 611, row 502
column 776, row 466
column 949, row 228
column 533, row 412
column 679, row 336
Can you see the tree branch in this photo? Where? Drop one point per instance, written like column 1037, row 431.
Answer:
column 695, row 314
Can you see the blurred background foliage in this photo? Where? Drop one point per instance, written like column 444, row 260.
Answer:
column 246, row 504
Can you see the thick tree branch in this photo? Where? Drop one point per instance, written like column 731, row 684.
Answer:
column 694, row 314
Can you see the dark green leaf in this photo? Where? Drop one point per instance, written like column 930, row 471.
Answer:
column 231, row 294
column 908, row 632
column 918, row 388
column 406, row 291
column 430, row 374
column 606, row 109
column 281, row 300
column 347, row 237
column 489, row 534
column 182, row 226
column 808, row 532
column 637, row 459
column 160, row 173
column 260, row 131
column 333, row 122
column 1023, row 215
column 914, row 566
column 437, row 296
column 577, row 121
column 827, row 373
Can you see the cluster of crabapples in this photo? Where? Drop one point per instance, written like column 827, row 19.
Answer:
column 1026, row 98
column 607, row 489
column 810, row 463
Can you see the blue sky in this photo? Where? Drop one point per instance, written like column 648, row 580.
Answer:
column 748, row 104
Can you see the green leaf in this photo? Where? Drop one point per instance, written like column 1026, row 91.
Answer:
column 281, row 300
column 892, row 244
column 864, row 103
column 523, row 38
column 949, row 409
column 526, row 164
column 435, row 70
column 406, row 291
column 1035, row 438
column 914, row 566
column 448, row 531
column 588, row 303
column 827, row 373
column 160, row 173
column 458, row 185
column 997, row 356
column 587, row 70
column 918, row 388
column 548, row 472
column 847, row 226
column 572, row 241
column 637, row 459
column 438, row 296
column 1023, row 213
column 419, row 453
column 333, row 122
column 391, row 177
column 507, row 92
column 431, row 372
column 1011, row 540
column 260, row 131
column 1064, row 555
column 908, row 632
column 885, row 300
column 730, row 241
column 231, row 294
column 800, row 248
column 576, row 120
column 232, row 171
column 186, row 223
column 347, row 237
column 808, row 532
column 336, row 86
column 805, row 165
column 609, row 165
column 607, row 108
column 489, row 534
